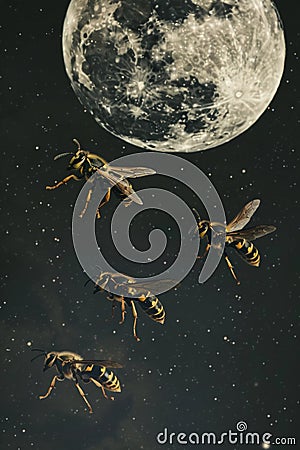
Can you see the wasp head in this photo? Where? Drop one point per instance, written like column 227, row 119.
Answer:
column 77, row 160
column 50, row 359
column 203, row 228
column 78, row 157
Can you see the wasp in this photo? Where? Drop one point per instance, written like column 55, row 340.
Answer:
column 71, row 366
column 149, row 303
column 236, row 237
column 85, row 164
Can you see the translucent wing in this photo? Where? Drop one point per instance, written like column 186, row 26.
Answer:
column 243, row 217
column 145, row 288
column 130, row 172
column 122, row 184
column 98, row 362
column 121, row 278
column 126, row 282
column 161, row 284
column 108, row 279
column 251, row 233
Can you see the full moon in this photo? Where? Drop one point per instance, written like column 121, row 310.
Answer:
column 174, row 75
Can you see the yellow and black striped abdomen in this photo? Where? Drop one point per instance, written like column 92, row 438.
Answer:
column 105, row 376
column 153, row 308
column 109, row 380
column 247, row 251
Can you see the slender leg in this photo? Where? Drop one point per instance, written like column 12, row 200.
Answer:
column 230, row 266
column 106, row 200
column 101, row 287
column 88, row 199
column 84, row 397
column 135, row 316
column 127, row 202
column 123, row 310
column 205, row 251
column 52, row 384
column 102, row 388
column 64, row 181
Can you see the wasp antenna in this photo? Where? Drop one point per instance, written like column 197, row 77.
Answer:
column 38, row 356
column 96, row 289
column 61, row 155
column 77, row 143
column 43, row 353
column 87, row 282
column 196, row 214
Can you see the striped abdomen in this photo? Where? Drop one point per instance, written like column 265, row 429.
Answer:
column 247, row 251
column 105, row 376
column 152, row 306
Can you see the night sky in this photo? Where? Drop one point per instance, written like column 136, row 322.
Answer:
column 225, row 354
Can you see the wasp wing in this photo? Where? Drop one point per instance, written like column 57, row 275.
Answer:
column 115, row 277
column 161, row 284
column 243, row 217
column 130, row 172
column 251, row 234
column 126, row 282
column 145, row 288
column 122, row 184
column 98, row 362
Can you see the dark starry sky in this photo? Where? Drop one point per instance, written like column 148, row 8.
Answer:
column 226, row 353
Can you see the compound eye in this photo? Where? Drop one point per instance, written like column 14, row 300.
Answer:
column 80, row 155
column 50, row 360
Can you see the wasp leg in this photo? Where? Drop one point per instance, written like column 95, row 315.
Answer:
column 52, row 384
column 88, row 199
column 230, row 266
column 102, row 388
column 101, row 287
column 123, row 310
column 127, row 202
column 81, row 392
column 64, row 181
column 106, row 200
column 208, row 245
column 135, row 316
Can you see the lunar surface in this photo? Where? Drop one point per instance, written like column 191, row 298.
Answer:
column 174, row 75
